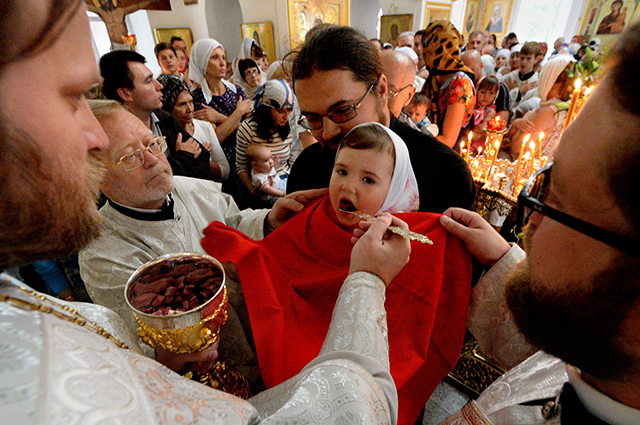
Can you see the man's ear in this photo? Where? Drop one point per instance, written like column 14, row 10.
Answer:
column 383, row 88
column 125, row 94
column 412, row 91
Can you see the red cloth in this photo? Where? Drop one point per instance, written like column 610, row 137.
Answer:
column 292, row 278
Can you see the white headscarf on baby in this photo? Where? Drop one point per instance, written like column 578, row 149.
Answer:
column 403, row 192
column 550, row 73
column 201, row 51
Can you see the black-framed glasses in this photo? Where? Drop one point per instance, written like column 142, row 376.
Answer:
column 531, row 199
column 338, row 115
column 394, row 93
column 135, row 159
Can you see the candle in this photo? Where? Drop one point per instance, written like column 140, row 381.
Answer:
column 516, row 176
column 574, row 103
column 466, row 156
column 539, row 145
column 496, row 148
column 461, row 148
column 532, row 148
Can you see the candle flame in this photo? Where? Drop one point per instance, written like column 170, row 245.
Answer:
column 526, row 139
column 497, row 144
column 527, row 155
column 479, row 150
column 578, row 84
column 461, row 146
column 532, row 145
column 541, row 136
column 470, row 136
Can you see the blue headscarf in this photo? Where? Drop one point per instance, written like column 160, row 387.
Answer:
column 274, row 93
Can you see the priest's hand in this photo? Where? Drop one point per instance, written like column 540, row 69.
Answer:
column 481, row 239
column 290, row 205
column 203, row 360
column 379, row 251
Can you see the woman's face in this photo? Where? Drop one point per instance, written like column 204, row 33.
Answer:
column 501, row 61
column 280, row 116
column 182, row 58
column 183, row 108
column 217, row 65
column 360, row 182
column 252, row 76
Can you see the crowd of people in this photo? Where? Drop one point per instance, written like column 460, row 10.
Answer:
column 332, row 317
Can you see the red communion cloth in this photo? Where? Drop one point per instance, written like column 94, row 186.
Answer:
column 292, row 278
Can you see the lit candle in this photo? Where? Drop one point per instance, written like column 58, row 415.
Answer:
column 532, row 148
column 496, row 148
column 539, row 145
column 574, row 103
column 516, row 176
column 466, row 156
column 461, row 148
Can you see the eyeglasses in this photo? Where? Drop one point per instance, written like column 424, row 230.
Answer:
column 531, row 199
column 135, row 159
column 394, row 93
column 250, row 72
column 338, row 115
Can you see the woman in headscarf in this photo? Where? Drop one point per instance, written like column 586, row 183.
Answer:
column 267, row 125
column 502, row 63
column 177, row 100
column 250, row 76
column 291, row 278
column 450, row 82
column 219, row 102
column 250, row 49
column 554, row 87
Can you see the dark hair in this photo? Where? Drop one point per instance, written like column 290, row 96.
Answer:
column 256, row 50
column 489, row 82
column 244, row 64
column 12, row 15
column 531, row 48
column 175, row 38
column 420, row 33
column 337, row 47
column 476, row 33
column 266, row 126
column 369, row 137
column 420, row 99
column 115, row 72
column 512, row 36
column 163, row 45
column 622, row 72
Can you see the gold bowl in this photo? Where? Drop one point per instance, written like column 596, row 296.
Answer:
column 185, row 331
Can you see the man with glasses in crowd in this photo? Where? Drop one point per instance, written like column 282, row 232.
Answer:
column 338, row 89
column 401, row 74
column 576, row 293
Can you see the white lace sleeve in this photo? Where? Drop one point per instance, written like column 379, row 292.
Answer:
column 349, row 382
column 490, row 321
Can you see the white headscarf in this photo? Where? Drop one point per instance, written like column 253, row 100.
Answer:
column 504, row 52
column 245, row 53
column 403, row 192
column 550, row 73
column 201, row 52
column 487, row 65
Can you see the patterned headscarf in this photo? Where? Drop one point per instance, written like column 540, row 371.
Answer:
column 274, row 93
column 172, row 86
column 441, row 50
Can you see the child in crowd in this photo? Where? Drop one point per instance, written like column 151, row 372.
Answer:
column 417, row 109
column 263, row 173
column 290, row 278
column 485, row 110
column 526, row 78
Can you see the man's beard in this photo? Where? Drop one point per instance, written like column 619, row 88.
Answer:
column 45, row 212
column 335, row 142
column 578, row 322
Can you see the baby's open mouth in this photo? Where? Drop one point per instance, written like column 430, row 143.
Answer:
column 346, row 205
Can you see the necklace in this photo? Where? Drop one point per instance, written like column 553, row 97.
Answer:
column 69, row 314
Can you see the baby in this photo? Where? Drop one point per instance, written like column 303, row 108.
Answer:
column 372, row 173
column 417, row 109
column 263, row 173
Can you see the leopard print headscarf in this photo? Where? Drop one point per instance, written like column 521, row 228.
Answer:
column 441, row 50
